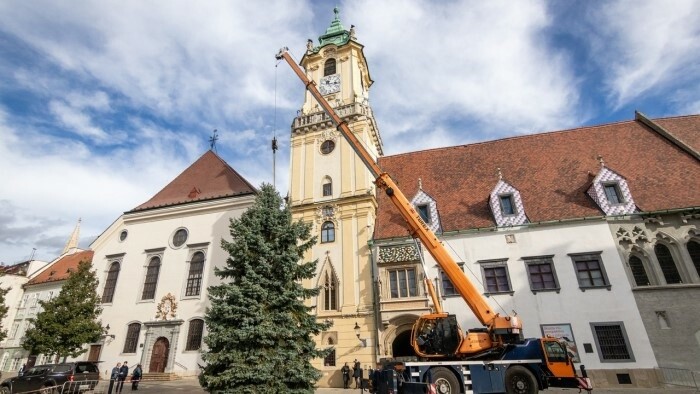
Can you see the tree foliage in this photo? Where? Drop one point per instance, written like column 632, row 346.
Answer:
column 68, row 321
column 260, row 333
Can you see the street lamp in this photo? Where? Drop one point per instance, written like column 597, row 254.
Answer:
column 357, row 333
column 106, row 333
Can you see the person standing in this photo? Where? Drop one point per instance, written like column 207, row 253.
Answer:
column 357, row 373
column 346, row 376
column 123, row 373
column 113, row 376
column 136, row 377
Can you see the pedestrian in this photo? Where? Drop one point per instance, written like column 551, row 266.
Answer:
column 357, row 373
column 113, row 377
column 346, row 376
column 21, row 370
column 375, row 376
column 123, row 373
column 136, row 377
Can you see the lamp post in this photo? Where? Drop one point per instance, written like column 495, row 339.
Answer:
column 357, row 333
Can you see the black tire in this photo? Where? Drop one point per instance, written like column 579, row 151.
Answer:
column 445, row 381
column 4, row 390
column 519, row 380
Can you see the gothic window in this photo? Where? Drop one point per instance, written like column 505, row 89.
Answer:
column 668, row 265
column 638, row 271
column 329, row 287
column 590, row 271
column 329, row 67
column 694, row 251
column 194, row 277
column 110, row 283
column 329, row 360
column 149, row 285
column 327, row 232
column 541, row 274
column 327, row 186
column 132, row 338
column 402, row 283
column 194, row 334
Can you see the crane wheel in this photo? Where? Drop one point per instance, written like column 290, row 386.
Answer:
column 445, row 381
column 519, row 380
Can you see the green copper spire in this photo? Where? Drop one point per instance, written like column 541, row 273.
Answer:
column 335, row 34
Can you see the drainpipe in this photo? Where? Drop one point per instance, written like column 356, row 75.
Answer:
column 375, row 301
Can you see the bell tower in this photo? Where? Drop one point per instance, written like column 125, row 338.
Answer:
column 332, row 189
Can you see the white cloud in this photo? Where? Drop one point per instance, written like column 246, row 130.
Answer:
column 645, row 45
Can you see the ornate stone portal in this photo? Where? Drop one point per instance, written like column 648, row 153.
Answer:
column 161, row 337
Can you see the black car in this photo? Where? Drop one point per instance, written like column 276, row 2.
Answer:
column 81, row 375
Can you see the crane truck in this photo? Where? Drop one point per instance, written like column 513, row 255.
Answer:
column 491, row 359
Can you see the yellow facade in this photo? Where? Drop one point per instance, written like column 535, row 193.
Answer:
column 344, row 270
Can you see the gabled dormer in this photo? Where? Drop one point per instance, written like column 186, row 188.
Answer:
column 610, row 191
column 426, row 206
column 506, row 204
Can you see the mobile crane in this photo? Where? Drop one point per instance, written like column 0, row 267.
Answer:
column 492, row 359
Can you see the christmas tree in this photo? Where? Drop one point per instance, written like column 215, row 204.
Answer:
column 260, row 333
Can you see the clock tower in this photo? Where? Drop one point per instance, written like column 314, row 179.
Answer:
column 332, row 189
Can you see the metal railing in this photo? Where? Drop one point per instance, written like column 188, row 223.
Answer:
column 680, row 377
column 93, row 386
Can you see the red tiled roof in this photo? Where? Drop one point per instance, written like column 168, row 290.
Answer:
column 207, row 178
column 60, row 269
column 552, row 172
column 685, row 128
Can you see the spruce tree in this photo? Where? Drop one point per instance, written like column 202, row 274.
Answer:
column 68, row 321
column 260, row 333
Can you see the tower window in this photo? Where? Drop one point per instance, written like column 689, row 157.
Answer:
column 327, row 147
column 329, row 67
column 507, row 206
column 327, row 232
column 327, row 187
column 330, row 293
column 613, row 194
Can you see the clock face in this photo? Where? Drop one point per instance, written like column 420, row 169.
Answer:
column 329, row 84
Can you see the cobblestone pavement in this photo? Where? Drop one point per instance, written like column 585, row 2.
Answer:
column 192, row 386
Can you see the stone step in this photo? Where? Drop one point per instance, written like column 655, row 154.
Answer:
column 155, row 376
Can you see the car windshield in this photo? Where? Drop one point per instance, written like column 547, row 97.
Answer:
column 62, row 368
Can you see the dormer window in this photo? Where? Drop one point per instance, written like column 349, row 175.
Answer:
column 613, row 194
column 426, row 207
column 424, row 212
column 507, row 204
column 329, row 67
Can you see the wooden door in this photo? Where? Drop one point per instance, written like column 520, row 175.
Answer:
column 94, row 354
column 159, row 355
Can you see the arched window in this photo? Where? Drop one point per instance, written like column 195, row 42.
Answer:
column 694, row 251
column 668, row 266
column 327, row 186
column 110, row 283
column 638, row 271
column 132, row 338
column 329, row 360
column 149, row 285
column 194, row 278
column 330, row 292
column 194, row 334
column 329, row 67
column 327, row 232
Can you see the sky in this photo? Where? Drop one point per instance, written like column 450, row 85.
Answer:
column 102, row 103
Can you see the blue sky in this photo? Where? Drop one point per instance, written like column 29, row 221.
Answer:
column 102, row 103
